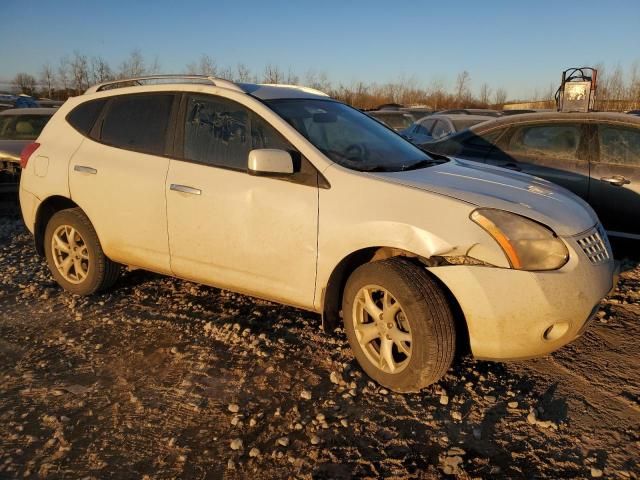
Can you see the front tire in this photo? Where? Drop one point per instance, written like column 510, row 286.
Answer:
column 74, row 254
column 399, row 324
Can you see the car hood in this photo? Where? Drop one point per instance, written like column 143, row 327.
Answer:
column 494, row 187
column 11, row 149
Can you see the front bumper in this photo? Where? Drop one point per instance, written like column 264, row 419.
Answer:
column 513, row 314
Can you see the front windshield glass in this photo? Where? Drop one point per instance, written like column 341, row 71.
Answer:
column 349, row 137
column 22, row 127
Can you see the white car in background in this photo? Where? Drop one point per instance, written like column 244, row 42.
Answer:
column 283, row 193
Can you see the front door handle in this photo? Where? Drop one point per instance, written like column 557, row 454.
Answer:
column 83, row 169
column 617, row 180
column 185, row 189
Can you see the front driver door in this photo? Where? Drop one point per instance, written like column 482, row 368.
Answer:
column 557, row 152
column 615, row 178
column 251, row 234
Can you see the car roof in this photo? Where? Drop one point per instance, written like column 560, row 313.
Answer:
column 553, row 116
column 461, row 116
column 29, row 111
column 263, row 91
column 388, row 112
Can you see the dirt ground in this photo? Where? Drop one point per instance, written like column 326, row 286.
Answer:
column 162, row 378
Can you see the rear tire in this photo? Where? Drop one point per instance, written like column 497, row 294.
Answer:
column 74, row 254
column 399, row 324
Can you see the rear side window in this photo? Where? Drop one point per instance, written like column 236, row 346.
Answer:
column 84, row 116
column 138, row 122
column 557, row 141
column 619, row 146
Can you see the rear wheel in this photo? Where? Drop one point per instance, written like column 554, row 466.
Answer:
column 399, row 324
column 74, row 254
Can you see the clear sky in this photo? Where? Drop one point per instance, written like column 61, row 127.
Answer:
column 517, row 45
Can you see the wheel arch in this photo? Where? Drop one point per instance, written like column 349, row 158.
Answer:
column 333, row 291
column 47, row 209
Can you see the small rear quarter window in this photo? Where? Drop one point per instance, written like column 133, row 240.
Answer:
column 84, row 116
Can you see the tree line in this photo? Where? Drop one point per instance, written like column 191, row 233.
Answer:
column 72, row 75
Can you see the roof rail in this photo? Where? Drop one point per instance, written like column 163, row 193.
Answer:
column 137, row 81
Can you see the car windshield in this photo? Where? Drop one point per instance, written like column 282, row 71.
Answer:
column 349, row 137
column 462, row 124
column 22, row 127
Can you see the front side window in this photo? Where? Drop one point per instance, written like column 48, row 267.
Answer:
column 553, row 141
column 22, row 127
column 348, row 136
column 619, row 145
column 221, row 133
column 138, row 122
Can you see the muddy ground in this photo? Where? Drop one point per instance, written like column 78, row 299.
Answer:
column 163, row 378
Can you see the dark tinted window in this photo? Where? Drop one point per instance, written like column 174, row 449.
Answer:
column 84, row 116
column 558, row 141
column 138, row 122
column 619, row 145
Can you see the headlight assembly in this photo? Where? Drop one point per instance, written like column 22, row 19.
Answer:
column 527, row 244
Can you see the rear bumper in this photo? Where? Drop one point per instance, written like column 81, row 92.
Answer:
column 515, row 315
column 29, row 206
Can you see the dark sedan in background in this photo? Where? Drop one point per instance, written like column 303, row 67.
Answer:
column 18, row 127
column 440, row 125
column 596, row 155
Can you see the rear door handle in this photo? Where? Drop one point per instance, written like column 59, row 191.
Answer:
column 185, row 189
column 617, row 180
column 83, row 169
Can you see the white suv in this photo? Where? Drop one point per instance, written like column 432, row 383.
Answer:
column 283, row 193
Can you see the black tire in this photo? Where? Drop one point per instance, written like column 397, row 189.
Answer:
column 102, row 273
column 427, row 312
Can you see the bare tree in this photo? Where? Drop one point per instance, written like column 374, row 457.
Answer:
column 463, row 83
column 24, row 83
column 47, row 78
column 243, row 73
column 226, row 73
column 500, row 96
column 485, row 94
column 155, row 66
column 100, row 70
column 80, row 72
column 133, row 66
column 64, row 74
column 272, row 74
column 204, row 66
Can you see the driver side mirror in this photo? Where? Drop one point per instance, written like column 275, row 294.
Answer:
column 270, row 162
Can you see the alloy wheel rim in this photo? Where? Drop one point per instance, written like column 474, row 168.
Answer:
column 70, row 254
column 382, row 329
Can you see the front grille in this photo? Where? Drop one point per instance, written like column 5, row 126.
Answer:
column 595, row 245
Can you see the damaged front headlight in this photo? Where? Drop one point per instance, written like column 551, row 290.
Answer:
column 527, row 244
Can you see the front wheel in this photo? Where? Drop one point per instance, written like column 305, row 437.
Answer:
column 75, row 256
column 399, row 324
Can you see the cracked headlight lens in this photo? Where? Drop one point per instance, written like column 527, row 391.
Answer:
column 527, row 244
